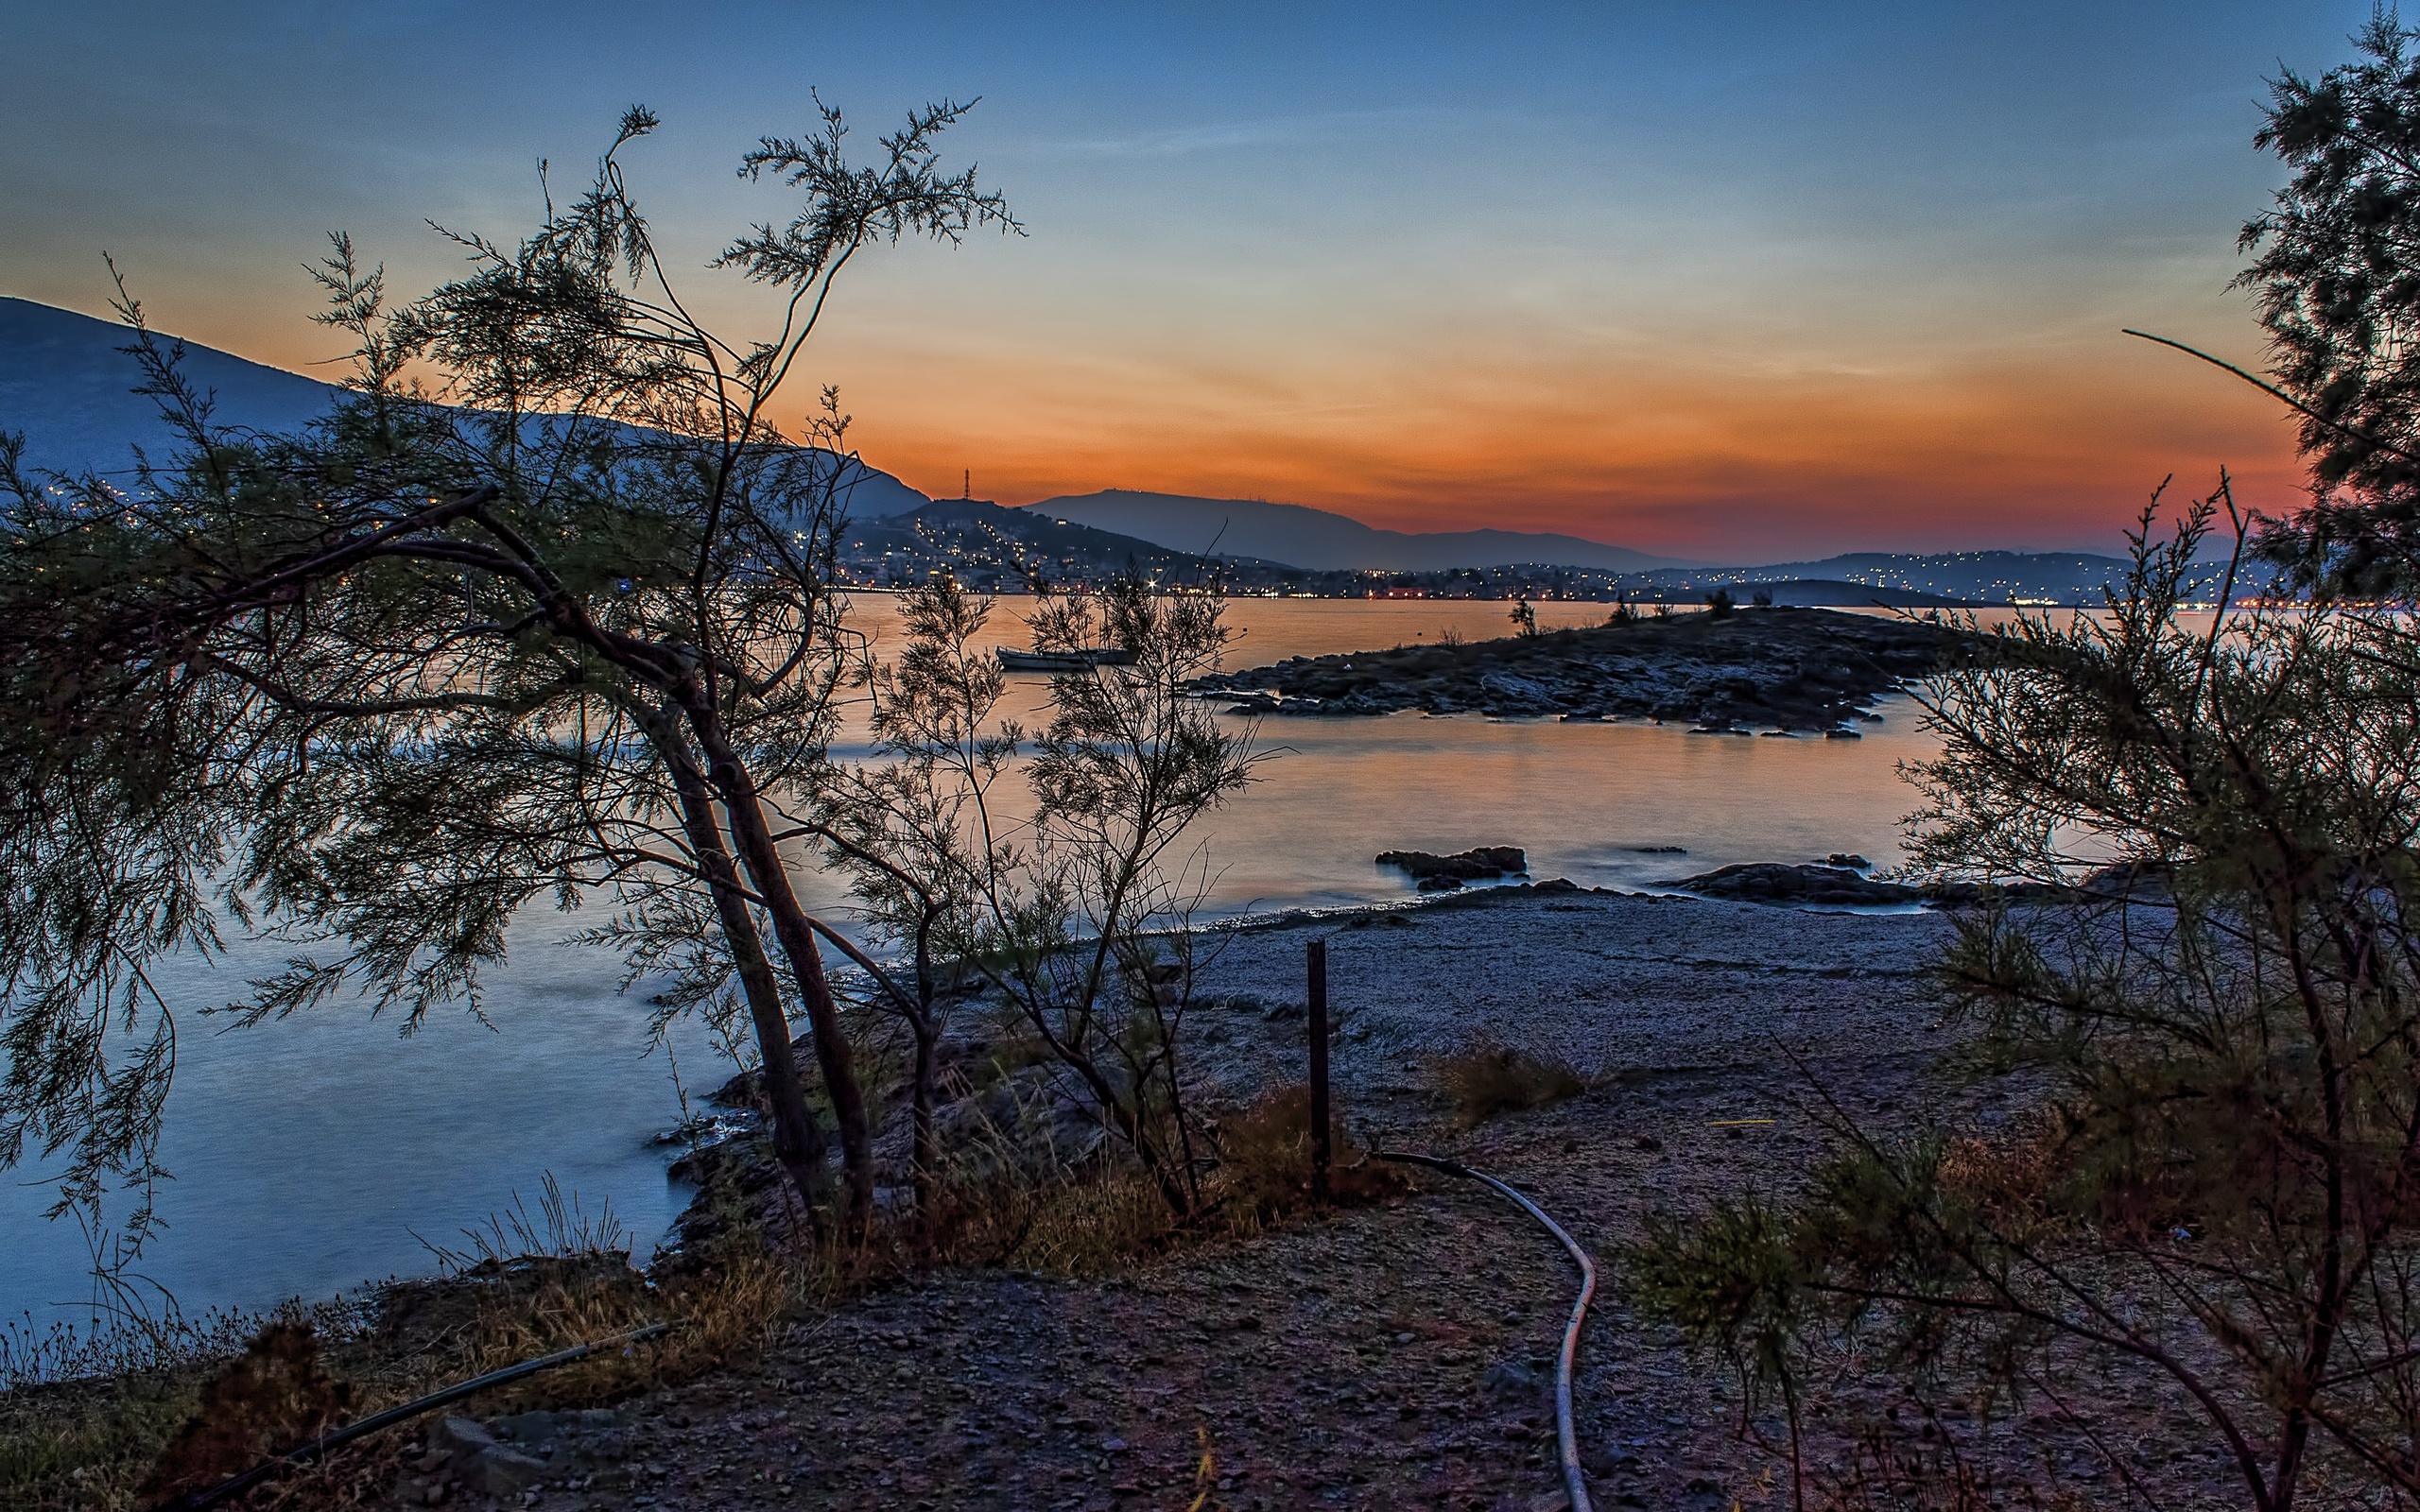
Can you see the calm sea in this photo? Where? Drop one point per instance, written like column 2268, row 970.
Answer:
column 307, row 1153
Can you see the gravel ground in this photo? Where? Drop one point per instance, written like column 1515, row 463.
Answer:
column 1389, row 1357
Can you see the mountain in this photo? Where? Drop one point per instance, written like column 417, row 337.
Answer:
column 1819, row 593
column 66, row 385
column 994, row 549
column 1323, row 541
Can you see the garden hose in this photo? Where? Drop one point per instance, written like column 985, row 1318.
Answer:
column 304, row 1454
column 1568, row 1438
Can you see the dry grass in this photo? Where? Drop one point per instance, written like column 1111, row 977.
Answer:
column 1265, row 1162
column 278, row 1392
column 2010, row 1175
column 1488, row 1078
column 116, row 1441
column 241, row 1388
column 85, row 1412
column 1108, row 1216
column 1916, row 1464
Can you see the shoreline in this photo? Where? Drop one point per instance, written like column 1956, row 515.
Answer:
column 1689, row 1015
column 1383, row 1355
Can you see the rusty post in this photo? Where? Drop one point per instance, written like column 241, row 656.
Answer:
column 1321, row 1152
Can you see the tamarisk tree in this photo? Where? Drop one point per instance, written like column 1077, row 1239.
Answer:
column 542, row 608
column 2336, row 269
column 2211, row 1200
column 1048, row 866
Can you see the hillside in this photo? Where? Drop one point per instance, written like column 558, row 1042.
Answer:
column 65, row 383
column 1001, row 550
column 1319, row 541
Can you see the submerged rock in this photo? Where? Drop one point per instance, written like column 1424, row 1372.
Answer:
column 1769, row 881
column 1436, row 873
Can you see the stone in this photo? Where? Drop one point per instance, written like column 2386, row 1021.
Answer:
column 1767, row 882
column 461, row 1441
column 1438, row 873
column 1518, row 1378
column 506, row 1472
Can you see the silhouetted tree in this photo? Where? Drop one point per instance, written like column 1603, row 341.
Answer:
column 2338, row 278
column 563, row 625
column 1070, row 905
column 2216, row 1200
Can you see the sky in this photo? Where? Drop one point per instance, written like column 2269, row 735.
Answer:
column 1729, row 282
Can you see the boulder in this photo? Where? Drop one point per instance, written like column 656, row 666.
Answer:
column 1448, row 872
column 1767, row 882
column 504, row 1471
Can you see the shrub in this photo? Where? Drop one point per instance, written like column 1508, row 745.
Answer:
column 1488, row 1077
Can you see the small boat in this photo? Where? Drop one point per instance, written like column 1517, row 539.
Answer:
column 1083, row 660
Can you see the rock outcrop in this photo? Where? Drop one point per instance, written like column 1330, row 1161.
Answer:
column 1436, row 873
column 1790, row 669
column 1770, row 881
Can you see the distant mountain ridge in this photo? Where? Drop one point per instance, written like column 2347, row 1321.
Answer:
column 1322, row 540
column 65, row 383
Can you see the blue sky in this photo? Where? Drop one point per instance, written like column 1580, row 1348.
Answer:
column 1710, row 281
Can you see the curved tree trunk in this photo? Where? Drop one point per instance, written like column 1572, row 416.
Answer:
column 754, row 842
column 798, row 1139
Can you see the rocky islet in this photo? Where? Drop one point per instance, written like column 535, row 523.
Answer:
column 1795, row 670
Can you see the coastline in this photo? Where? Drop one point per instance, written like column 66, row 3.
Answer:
column 1387, row 1355
column 1378, row 1356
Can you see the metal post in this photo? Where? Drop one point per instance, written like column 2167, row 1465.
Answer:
column 1320, row 1148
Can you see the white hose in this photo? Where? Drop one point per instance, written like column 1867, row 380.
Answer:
column 1567, row 1437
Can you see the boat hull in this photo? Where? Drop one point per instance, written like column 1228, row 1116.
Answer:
column 1063, row 661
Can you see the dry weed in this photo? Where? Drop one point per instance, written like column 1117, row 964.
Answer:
column 1264, row 1172
column 1107, row 1214
column 274, row 1395
column 1488, row 1077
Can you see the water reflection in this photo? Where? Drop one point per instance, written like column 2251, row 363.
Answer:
column 308, row 1150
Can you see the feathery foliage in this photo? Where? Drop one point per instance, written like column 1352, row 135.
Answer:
column 2337, row 274
column 546, row 621
column 2218, row 1197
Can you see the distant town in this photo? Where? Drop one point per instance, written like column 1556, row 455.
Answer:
column 996, row 549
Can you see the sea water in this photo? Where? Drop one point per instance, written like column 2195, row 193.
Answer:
column 318, row 1152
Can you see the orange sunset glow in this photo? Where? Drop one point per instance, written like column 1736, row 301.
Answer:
column 1863, row 292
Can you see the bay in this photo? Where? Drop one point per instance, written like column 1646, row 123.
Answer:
column 308, row 1153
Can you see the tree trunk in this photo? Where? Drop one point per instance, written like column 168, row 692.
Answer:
column 927, row 1146
column 798, row 1139
column 762, row 858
